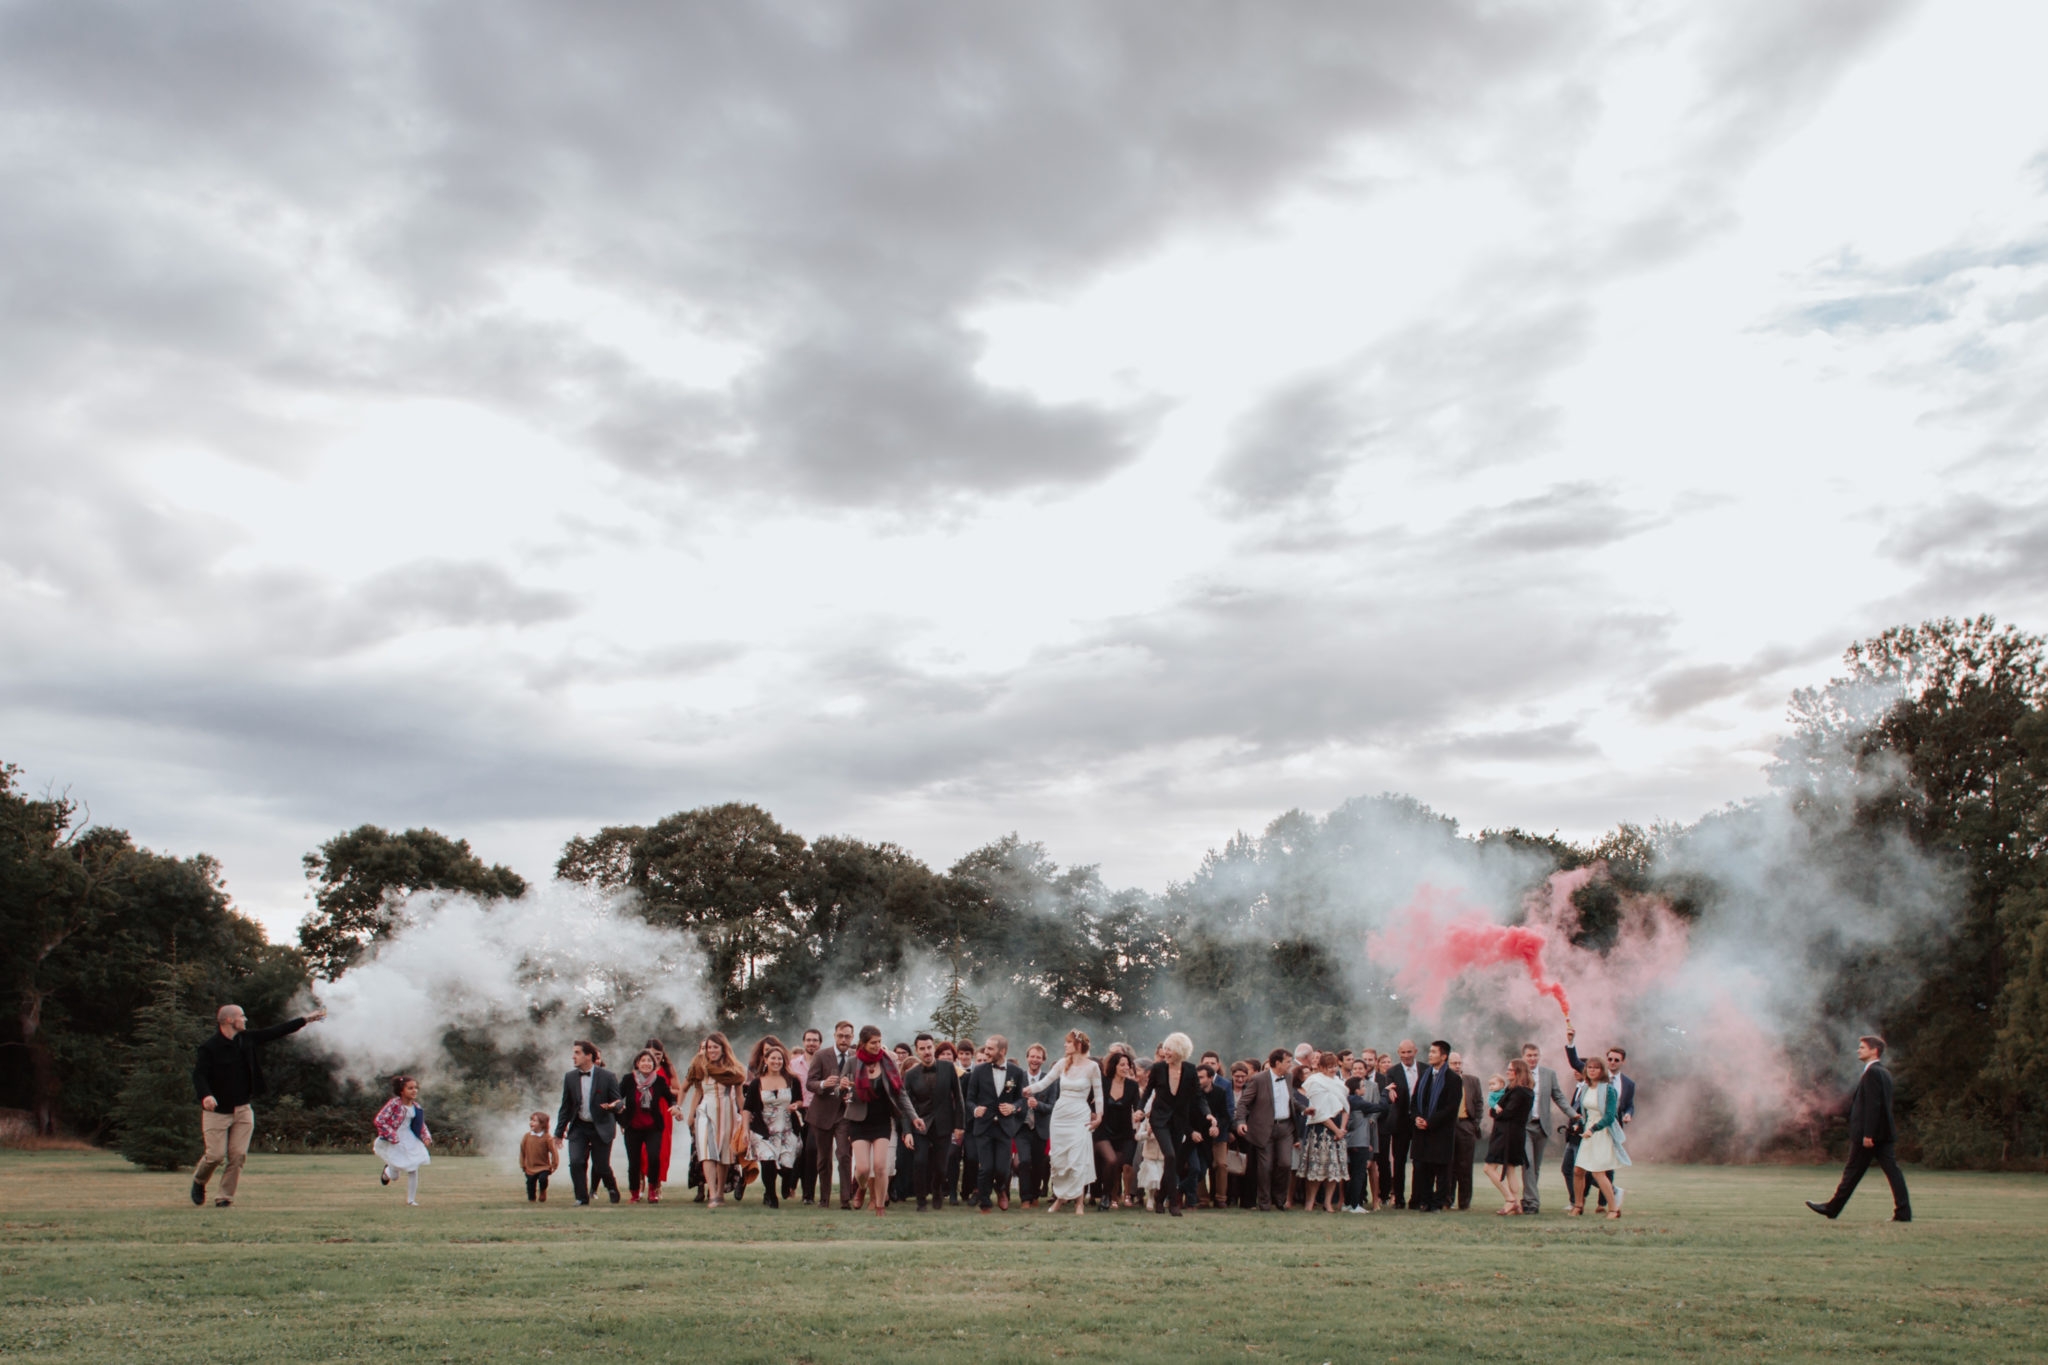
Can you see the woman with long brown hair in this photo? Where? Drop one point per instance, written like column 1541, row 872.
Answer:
column 1507, row 1153
column 774, row 1118
column 711, row 1111
column 876, row 1109
column 1116, row 1136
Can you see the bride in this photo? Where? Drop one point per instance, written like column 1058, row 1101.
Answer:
column 1074, row 1118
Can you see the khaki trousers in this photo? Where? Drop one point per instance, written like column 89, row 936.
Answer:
column 227, row 1141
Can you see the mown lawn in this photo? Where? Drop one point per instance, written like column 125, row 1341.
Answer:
column 99, row 1262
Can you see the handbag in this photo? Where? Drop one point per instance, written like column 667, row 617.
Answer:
column 1234, row 1161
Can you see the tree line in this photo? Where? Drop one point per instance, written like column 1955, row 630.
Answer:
column 1935, row 735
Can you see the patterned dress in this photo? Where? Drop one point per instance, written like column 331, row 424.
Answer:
column 784, row 1144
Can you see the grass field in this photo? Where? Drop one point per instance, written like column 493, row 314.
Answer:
column 99, row 1262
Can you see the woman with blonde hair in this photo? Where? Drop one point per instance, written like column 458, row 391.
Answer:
column 712, row 1112
column 1179, row 1115
column 1074, row 1119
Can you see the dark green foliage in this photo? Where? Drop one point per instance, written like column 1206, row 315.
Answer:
column 361, row 877
column 156, row 1115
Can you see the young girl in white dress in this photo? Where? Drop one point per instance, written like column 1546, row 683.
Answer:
column 402, row 1137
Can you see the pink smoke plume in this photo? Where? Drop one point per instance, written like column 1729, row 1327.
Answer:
column 1709, row 1055
column 1429, row 953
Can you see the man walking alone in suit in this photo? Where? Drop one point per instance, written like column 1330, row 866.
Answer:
column 1870, row 1135
column 590, row 1099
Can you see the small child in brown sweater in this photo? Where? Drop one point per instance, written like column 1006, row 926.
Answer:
column 537, row 1156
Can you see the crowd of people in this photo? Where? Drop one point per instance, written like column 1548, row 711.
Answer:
column 948, row 1122
column 951, row 1122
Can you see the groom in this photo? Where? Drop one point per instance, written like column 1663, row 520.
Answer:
column 995, row 1107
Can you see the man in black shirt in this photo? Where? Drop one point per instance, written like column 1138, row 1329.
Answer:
column 227, row 1077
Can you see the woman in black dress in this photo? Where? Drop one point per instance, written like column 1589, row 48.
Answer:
column 1508, row 1151
column 1116, row 1137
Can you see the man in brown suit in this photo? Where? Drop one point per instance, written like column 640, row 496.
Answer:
column 1266, row 1123
column 829, row 1082
column 1471, row 1109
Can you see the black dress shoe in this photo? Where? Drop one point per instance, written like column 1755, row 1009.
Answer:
column 614, row 1193
column 198, row 1193
column 1175, row 1210
column 1902, row 1217
column 1822, row 1209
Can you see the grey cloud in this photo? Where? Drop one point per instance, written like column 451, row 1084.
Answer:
column 881, row 168
column 1971, row 549
column 1677, row 691
column 1536, row 744
column 1452, row 395
column 441, row 592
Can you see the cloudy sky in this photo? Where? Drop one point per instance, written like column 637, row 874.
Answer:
column 1113, row 422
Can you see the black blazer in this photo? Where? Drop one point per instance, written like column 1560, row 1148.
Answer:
column 1185, row 1111
column 1870, row 1107
column 987, row 1088
column 1439, row 1141
column 604, row 1090
column 1394, row 1086
column 935, row 1096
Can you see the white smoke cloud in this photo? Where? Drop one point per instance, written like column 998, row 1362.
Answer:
column 530, row 976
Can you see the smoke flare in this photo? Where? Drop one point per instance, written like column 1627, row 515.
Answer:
column 1428, row 953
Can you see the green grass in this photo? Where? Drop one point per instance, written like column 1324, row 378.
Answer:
column 99, row 1261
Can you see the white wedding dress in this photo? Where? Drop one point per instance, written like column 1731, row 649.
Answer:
column 1073, row 1145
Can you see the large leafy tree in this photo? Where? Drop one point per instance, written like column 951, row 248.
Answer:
column 56, row 877
column 1934, row 733
column 360, row 879
column 88, row 920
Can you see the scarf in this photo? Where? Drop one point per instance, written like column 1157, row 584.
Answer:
column 862, row 1060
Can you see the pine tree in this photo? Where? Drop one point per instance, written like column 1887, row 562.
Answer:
column 956, row 1015
column 156, row 1114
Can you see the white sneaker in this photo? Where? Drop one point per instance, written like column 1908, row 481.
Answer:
column 1619, row 1195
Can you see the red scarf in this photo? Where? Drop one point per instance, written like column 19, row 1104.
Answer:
column 862, row 1060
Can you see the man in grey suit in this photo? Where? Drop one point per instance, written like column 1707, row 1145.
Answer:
column 829, row 1083
column 590, row 1098
column 1548, row 1092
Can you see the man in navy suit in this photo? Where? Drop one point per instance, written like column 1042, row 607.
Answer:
column 1437, row 1093
column 1616, row 1057
column 1871, row 1135
column 995, row 1107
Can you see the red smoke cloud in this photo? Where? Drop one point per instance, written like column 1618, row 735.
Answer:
column 1429, row 953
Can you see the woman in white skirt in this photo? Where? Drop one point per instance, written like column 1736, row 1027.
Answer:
column 1601, row 1149
column 402, row 1137
column 1074, row 1116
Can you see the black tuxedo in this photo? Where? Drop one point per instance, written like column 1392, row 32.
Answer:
column 990, row 1131
column 1870, row 1121
column 590, row 1140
